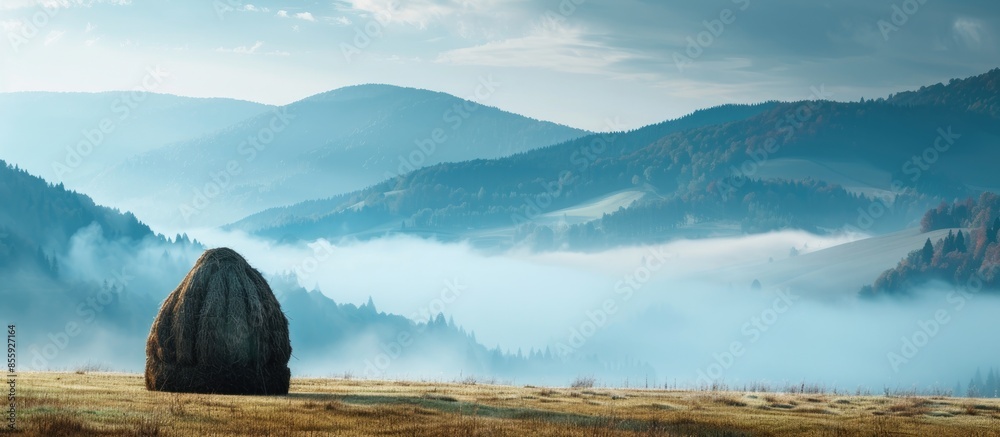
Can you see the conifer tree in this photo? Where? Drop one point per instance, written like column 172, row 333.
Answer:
column 928, row 251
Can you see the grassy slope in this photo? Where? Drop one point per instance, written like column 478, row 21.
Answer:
column 840, row 269
column 591, row 210
column 116, row 404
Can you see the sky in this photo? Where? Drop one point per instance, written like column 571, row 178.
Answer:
column 581, row 63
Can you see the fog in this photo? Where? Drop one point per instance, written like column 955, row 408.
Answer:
column 98, row 310
column 678, row 306
column 685, row 308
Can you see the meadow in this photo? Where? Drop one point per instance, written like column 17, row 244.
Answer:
column 85, row 403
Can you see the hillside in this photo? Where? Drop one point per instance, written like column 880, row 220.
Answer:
column 40, row 217
column 488, row 190
column 326, row 144
column 978, row 95
column 967, row 257
column 66, row 259
column 683, row 161
column 58, row 135
column 831, row 272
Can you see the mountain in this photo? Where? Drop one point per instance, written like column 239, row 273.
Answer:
column 904, row 155
column 59, row 136
column 508, row 182
column 333, row 142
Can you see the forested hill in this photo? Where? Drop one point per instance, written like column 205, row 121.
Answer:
column 968, row 257
column 923, row 150
column 521, row 175
column 40, row 217
column 329, row 143
column 66, row 261
column 978, row 94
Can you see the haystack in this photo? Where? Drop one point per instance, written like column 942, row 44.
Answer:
column 220, row 331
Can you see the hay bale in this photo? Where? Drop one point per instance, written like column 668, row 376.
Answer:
column 220, row 331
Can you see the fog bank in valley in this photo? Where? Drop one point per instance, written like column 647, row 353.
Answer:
column 689, row 308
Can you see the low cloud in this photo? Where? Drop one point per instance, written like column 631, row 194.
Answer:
column 681, row 318
column 486, row 19
column 968, row 32
column 253, row 8
column 54, row 37
column 58, row 4
column 251, row 50
column 558, row 49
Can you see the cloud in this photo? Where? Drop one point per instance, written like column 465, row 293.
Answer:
column 484, row 18
column 416, row 13
column 89, row 28
column 91, row 42
column 342, row 21
column 54, row 37
column 58, row 4
column 558, row 49
column 242, row 50
column 252, row 50
column 16, row 4
column 305, row 16
column 968, row 32
column 252, row 8
column 12, row 26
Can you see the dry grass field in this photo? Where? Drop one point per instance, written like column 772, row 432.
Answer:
column 55, row 404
